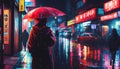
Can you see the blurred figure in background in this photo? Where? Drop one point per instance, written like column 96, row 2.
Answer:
column 25, row 36
column 113, row 43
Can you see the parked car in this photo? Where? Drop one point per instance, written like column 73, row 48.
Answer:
column 88, row 38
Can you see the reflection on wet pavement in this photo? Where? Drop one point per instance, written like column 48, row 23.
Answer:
column 73, row 55
column 90, row 56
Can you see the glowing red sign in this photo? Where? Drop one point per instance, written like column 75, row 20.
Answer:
column 62, row 25
column 91, row 14
column 108, row 17
column 111, row 5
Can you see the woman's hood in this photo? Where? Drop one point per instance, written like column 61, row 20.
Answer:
column 41, row 30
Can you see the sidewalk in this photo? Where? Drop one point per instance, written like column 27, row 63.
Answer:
column 9, row 62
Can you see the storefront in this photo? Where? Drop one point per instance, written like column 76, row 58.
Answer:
column 10, row 27
column 88, row 22
column 64, row 31
column 109, row 22
column 111, row 18
column 83, row 27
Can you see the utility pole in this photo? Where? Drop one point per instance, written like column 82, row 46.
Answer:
column 1, row 35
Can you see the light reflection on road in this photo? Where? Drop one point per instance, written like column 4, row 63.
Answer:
column 88, row 55
column 77, row 56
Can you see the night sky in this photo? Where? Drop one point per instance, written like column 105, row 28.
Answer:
column 59, row 4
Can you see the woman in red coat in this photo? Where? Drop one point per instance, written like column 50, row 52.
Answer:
column 40, row 39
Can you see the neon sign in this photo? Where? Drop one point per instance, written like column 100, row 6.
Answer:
column 6, row 26
column 70, row 22
column 111, row 5
column 21, row 5
column 29, row 3
column 108, row 17
column 91, row 14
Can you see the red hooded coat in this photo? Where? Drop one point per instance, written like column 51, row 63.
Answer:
column 39, row 41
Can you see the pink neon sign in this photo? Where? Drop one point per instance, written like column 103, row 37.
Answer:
column 108, row 17
column 111, row 5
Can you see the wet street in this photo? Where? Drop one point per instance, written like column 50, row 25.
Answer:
column 68, row 34
column 68, row 54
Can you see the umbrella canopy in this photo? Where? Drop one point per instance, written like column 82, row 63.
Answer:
column 43, row 12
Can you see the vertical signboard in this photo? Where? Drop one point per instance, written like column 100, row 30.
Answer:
column 6, row 26
column 21, row 5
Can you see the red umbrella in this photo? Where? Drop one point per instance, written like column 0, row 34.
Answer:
column 43, row 12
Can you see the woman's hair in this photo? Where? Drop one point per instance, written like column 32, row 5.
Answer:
column 42, row 21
